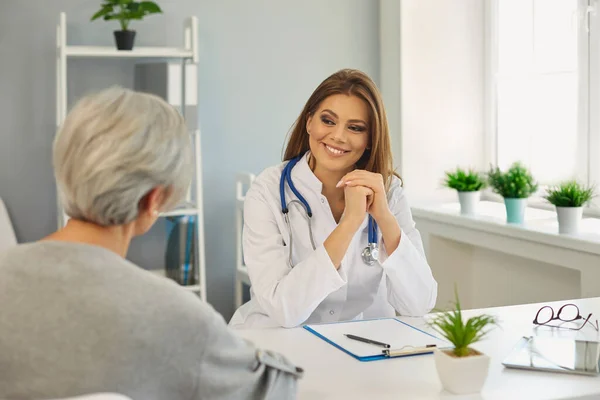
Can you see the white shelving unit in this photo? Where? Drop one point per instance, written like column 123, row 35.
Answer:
column 186, row 54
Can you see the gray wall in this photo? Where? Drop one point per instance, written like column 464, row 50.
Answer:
column 259, row 62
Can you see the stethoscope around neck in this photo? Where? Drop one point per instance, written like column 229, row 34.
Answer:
column 370, row 254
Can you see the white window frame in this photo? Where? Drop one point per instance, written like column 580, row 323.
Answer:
column 593, row 23
column 588, row 128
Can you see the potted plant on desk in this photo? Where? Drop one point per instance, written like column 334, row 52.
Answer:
column 515, row 186
column 461, row 369
column 468, row 185
column 569, row 198
column 125, row 11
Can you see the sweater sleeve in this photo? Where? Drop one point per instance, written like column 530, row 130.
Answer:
column 231, row 367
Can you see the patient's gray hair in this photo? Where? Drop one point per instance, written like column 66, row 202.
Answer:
column 113, row 148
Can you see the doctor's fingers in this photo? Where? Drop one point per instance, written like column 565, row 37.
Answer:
column 362, row 189
column 374, row 184
column 370, row 200
column 361, row 174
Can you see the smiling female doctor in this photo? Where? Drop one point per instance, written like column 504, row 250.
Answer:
column 328, row 234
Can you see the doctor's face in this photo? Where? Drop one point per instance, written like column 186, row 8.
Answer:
column 339, row 132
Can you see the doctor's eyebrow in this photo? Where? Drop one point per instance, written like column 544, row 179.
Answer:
column 336, row 116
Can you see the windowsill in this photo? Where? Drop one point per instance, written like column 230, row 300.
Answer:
column 536, row 201
column 541, row 226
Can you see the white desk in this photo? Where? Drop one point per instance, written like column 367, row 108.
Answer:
column 332, row 374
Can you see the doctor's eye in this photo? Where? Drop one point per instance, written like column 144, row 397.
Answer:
column 327, row 121
column 357, row 128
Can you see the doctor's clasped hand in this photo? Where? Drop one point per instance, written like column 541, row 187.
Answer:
column 378, row 206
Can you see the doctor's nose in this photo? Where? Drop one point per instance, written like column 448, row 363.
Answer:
column 339, row 134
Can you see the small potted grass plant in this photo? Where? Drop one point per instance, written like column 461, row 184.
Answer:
column 125, row 11
column 468, row 184
column 461, row 368
column 515, row 186
column 569, row 198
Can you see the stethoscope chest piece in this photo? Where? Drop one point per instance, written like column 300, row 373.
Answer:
column 370, row 254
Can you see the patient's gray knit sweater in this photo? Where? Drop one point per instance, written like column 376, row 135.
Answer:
column 76, row 318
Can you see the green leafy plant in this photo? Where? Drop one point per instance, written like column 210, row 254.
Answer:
column 125, row 11
column 569, row 194
column 516, row 183
column 461, row 334
column 464, row 181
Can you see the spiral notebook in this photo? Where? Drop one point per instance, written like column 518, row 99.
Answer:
column 396, row 333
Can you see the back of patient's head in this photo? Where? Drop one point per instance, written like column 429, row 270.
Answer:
column 114, row 147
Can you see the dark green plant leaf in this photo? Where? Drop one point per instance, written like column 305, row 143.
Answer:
column 150, row 7
column 570, row 194
column 464, row 181
column 126, row 10
column 451, row 326
column 516, row 183
column 103, row 11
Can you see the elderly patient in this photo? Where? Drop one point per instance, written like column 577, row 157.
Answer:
column 77, row 317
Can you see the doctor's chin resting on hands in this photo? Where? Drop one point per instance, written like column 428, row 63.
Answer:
column 328, row 234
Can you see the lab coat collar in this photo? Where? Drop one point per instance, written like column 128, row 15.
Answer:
column 303, row 173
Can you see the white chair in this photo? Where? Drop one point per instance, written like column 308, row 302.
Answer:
column 243, row 182
column 7, row 234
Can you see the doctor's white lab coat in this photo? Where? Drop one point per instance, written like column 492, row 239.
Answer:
column 312, row 290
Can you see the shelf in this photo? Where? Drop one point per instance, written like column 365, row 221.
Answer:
column 180, row 212
column 540, row 227
column 185, row 52
column 192, row 288
column 189, row 288
column 137, row 52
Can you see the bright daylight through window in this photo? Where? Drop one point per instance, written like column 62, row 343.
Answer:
column 541, row 86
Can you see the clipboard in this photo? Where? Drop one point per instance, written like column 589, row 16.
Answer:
column 387, row 330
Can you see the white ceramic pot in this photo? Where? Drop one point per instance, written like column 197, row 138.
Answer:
column 462, row 375
column 468, row 202
column 569, row 219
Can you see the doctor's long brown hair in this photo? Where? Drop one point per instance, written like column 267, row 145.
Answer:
column 378, row 157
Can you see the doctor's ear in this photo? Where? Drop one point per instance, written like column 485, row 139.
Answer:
column 308, row 121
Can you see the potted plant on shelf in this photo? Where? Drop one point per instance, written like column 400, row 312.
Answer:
column 125, row 11
column 461, row 368
column 569, row 198
column 468, row 185
column 515, row 186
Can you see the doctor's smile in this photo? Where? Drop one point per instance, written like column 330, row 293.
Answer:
column 335, row 151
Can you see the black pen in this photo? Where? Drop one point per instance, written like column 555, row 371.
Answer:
column 365, row 340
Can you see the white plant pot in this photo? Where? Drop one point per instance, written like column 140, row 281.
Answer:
column 569, row 219
column 462, row 375
column 468, row 202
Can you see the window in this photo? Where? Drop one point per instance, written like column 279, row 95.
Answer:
column 540, row 87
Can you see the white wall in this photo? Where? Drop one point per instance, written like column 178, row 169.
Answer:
column 441, row 90
column 390, row 71
column 259, row 62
